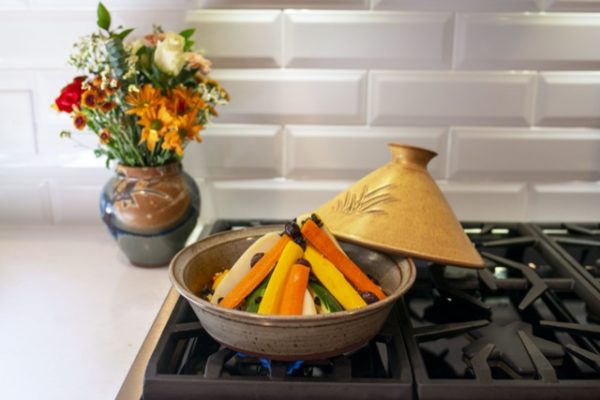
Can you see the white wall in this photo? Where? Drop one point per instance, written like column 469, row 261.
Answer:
column 506, row 91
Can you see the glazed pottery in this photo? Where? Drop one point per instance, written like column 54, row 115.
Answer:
column 285, row 337
column 150, row 211
column 399, row 208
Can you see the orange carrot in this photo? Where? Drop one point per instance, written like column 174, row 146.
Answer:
column 256, row 275
column 320, row 241
column 292, row 302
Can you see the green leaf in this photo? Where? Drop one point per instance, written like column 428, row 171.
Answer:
column 103, row 17
column 124, row 34
column 189, row 45
column 188, row 33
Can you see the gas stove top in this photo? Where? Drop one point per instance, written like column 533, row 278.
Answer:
column 526, row 326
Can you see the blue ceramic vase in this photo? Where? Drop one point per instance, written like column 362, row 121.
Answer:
column 150, row 211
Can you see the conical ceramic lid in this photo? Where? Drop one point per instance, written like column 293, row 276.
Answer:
column 399, row 208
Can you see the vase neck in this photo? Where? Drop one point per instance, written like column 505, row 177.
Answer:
column 149, row 172
column 411, row 155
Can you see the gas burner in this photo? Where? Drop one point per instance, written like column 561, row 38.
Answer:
column 187, row 363
column 226, row 362
column 510, row 352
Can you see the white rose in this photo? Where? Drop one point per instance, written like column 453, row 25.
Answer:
column 169, row 57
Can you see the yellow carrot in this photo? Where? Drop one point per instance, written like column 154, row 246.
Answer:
column 272, row 298
column 256, row 275
column 320, row 241
column 333, row 280
column 292, row 301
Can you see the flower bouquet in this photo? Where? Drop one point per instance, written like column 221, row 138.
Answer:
column 145, row 100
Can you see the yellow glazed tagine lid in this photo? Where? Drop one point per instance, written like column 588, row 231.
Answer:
column 399, row 208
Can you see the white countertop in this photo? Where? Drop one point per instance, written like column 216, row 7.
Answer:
column 73, row 312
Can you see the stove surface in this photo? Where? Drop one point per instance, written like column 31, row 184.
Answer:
column 525, row 326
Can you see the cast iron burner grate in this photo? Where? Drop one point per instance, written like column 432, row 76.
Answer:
column 526, row 326
column 517, row 328
column 188, row 363
column 579, row 244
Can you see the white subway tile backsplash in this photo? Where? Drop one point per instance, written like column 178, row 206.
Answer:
column 46, row 37
column 48, row 84
column 293, row 96
column 13, row 5
column 444, row 74
column 355, row 39
column 575, row 201
column 49, row 122
column 24, row 201
column 16, row 122
column 525, row 154
column 459, row 5
column 451, row 98
column 248, row 38
column 49, row 141
column 273, row 199
column 568, row 99
column 286, row 198
column 345, row 152
column 486, row 201
column 236, row 151
column 573, row 5
column 17, row 133
column 112, row 5
column 517, row 41
column 312, row 4
column 85, row 196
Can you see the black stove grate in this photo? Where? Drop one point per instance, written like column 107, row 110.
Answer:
column 521, row 327
column 579, row 244
column 526, row 326
column 188, row 363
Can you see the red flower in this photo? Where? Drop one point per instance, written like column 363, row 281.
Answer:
column 70, row 95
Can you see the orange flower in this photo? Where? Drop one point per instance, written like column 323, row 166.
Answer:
column 101, row 96
column 104, row 136
column 186, row 100
column 150, row 137
column 143, row 100
column 88, row 98
column 189, row 126
column 79, row 120
column 108, row 106
column 155, row 125
column 96, row 82
column 172, row 141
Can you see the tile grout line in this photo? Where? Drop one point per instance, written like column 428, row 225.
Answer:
column 533, row 112
column 454, row 48
column 283, row 164
column 449, row 146
column 368, row 107
column 282, row 43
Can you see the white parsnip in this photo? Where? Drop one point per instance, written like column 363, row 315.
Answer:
column 242, row 265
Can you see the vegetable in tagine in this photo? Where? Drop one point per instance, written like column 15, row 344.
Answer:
column 302, row 271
